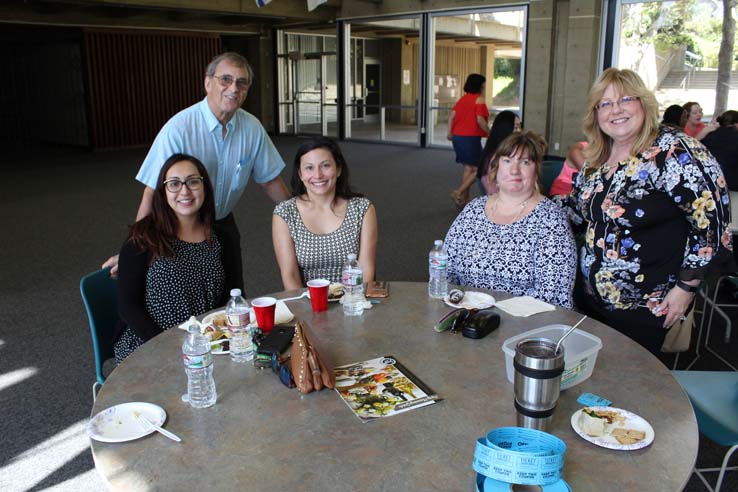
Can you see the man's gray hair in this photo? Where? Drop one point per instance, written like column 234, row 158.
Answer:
column 233, row 58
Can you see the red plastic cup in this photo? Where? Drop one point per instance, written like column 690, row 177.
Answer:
column 318, row 289
column 264, row 308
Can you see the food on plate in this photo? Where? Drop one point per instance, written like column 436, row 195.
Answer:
column 216, row 334
column 627, row 436
column 219, row 321
column 455, row 296
column 591, row 423
column 335, row 291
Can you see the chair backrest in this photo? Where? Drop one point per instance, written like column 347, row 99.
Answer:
column 549, row 171
column 100, row 295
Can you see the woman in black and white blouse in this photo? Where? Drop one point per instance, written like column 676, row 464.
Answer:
column 516, row 240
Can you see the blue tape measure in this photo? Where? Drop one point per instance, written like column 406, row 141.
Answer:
column 520, row 456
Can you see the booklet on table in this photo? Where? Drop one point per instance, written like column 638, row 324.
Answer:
column 381, row 387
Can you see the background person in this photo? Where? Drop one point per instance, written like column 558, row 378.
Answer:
column 516, row 240
column 653, row 203
column 723, row 143
column 504, row 124
column 572, row 165
column 324, row 221
column 467, row 124
column 229, row 141
column 694, row 126
column 675, row 116
column 170, row 265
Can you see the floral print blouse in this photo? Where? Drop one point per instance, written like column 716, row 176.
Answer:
column 661, row 217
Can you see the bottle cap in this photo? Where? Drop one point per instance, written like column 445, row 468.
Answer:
column 235, row 292
column 439, row 242
column 351, row 256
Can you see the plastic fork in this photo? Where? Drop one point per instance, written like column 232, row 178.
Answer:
column 149, row 424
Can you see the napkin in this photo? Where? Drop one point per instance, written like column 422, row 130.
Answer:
column 524, row 306
column 282, row 314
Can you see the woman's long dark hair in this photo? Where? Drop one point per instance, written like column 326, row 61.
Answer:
column 343, row 187
column 502, row 127
column 728, row 118
column 157, row 231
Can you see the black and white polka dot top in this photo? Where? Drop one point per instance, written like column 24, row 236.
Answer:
column 323, row 255
column 188, row 284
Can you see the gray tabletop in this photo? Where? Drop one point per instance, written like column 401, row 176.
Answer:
column 261, row 435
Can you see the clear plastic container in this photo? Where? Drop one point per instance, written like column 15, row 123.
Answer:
column 580, row 352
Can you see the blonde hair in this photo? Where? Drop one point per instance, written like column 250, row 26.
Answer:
column 627, row 82
column 517, row 143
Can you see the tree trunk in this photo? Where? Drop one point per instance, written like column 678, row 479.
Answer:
column 725, row 58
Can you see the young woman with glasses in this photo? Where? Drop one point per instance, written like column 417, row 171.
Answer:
column 170, row 265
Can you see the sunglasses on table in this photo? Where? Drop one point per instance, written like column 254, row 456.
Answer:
column 281, row 367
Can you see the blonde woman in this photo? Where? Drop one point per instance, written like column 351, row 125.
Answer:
column 655, row 206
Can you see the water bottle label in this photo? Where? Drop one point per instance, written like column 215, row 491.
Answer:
column 238, row 320
column 197, row 361
column 351, row 278
column 437, row 263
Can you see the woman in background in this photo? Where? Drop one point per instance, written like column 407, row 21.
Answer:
column 516, row 240
column 694, row 126
column 324, row 221
column 723, row 143
column 467, row 125
column 170, row 265
column 504, row 124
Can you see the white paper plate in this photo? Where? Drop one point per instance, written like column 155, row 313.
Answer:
column 330, row 289
column 118, row 423
column 473, row 300
column 632, row 421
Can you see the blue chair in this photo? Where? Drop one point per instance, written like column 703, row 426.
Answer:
column 714, row 397
column 100, row 295
column 549, row 171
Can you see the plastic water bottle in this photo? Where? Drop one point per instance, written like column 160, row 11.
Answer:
column 198, row 362
column 438, row 271
column 237, row 316
column 352, row 279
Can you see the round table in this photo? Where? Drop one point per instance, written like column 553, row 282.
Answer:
column 261, row 435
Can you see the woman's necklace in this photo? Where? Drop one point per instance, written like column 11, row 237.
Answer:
column 522, row 206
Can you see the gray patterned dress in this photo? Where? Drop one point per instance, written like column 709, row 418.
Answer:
column 534, row 256
column 323, row 255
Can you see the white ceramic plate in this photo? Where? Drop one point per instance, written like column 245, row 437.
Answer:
column 473, row 300
column 330, row 289
column 118, row 423
column 632, row 421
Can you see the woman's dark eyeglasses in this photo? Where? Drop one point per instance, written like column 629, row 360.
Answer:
column 227, row 80
column 175, row 184
column 282, row 368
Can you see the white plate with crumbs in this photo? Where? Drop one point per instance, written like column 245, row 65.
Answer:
column 119, row 423
column 473, row 300
column 624, row 430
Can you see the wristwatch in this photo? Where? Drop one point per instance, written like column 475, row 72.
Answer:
column 689, row 288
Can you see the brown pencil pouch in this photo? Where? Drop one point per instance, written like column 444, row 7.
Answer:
column 311, row 369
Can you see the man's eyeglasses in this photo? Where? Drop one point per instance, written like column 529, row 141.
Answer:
column 282, row 368
column 606, row 106
column 193, row 183
column 227, row 80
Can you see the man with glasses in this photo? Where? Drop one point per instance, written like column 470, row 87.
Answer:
column 231, row 143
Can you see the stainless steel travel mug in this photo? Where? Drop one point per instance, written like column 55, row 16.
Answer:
column 537, row 381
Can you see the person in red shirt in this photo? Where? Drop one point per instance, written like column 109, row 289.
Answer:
column 467, row 124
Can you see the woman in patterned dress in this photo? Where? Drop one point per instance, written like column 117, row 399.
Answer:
column 655, row 207
column 324, row 221
column 516, row 240
column 170, row 265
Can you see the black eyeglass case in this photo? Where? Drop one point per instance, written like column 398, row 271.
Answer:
column 479, row 324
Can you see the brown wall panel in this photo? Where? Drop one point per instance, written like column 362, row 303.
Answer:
column 136, row 81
